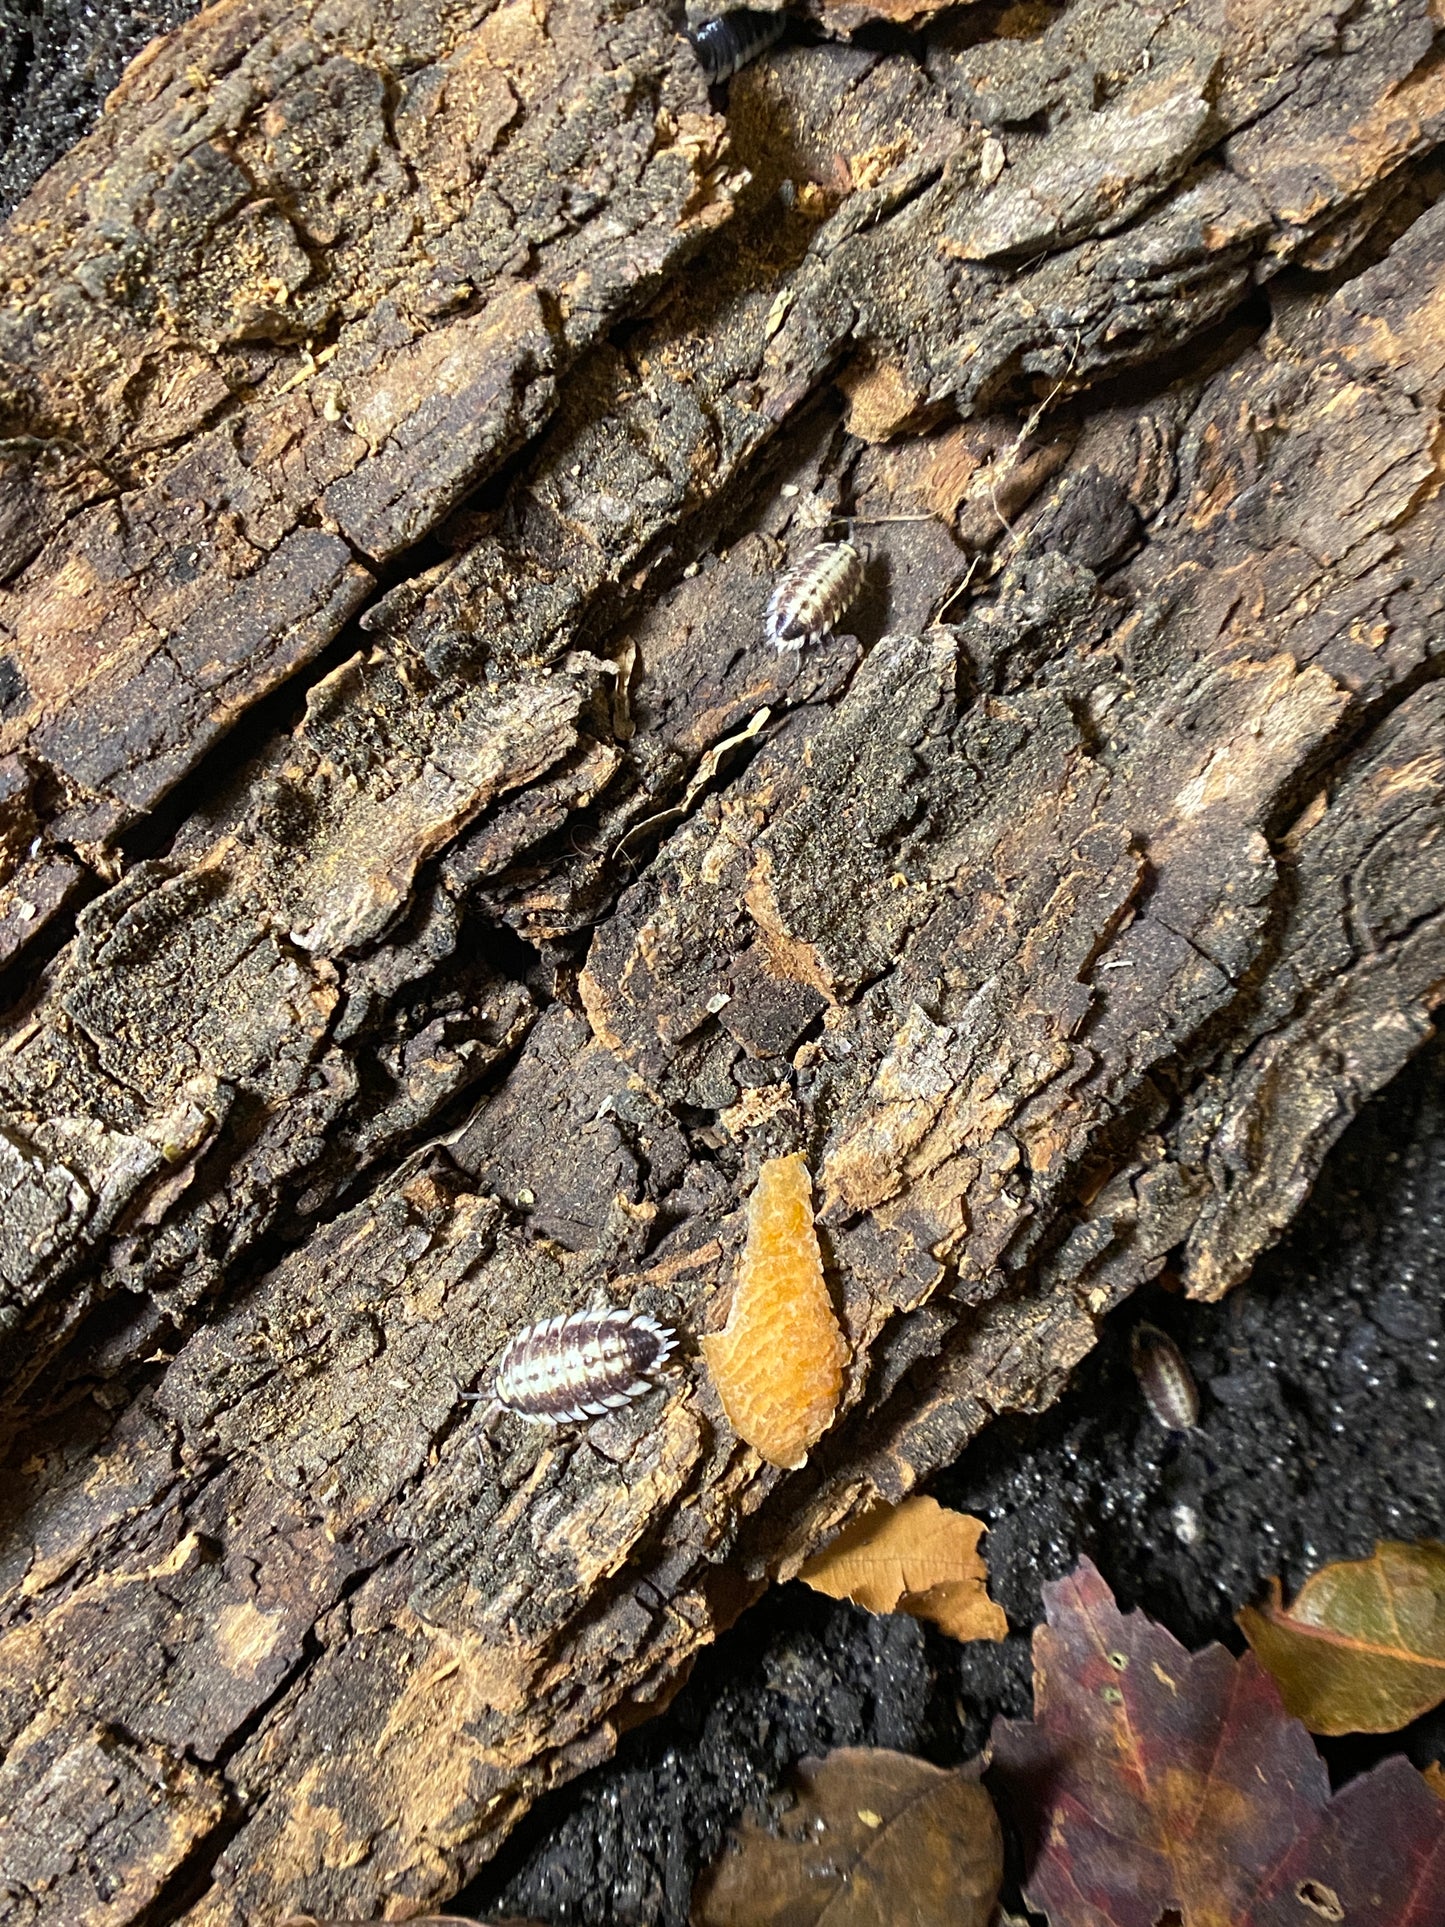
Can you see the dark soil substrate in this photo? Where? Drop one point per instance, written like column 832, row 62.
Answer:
column 1323, row 1383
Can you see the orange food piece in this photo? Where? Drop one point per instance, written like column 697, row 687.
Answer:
column 778, row 1363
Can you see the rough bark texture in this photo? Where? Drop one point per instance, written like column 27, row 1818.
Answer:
column 1061, row 917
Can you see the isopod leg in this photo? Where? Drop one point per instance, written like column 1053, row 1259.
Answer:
column 486, row 1426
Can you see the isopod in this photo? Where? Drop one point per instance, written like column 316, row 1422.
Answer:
column 809, row 599
column 1165, row 1380
column 778, row 1363
column 731, row 40
column 576, row 1366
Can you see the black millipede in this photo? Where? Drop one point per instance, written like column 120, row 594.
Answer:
column 809, row 598
column 577, row 1366
column 1165, row 1379
column 731, row 40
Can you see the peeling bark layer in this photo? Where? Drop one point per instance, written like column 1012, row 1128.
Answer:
column 1060, row 917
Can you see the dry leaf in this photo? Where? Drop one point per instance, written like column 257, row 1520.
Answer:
column 1153, row 1781
column 706, row 770
column 1434, row 1777
column 876, row 1839
column 916, row 1558
column 1362, row 1649
column 778, row 1363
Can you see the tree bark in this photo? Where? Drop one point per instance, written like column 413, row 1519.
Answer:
column 443, row 386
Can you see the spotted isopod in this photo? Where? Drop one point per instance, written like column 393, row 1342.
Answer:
column 577, row 1366
column 809, row 599
column 731, row 40
column 1165, row 1380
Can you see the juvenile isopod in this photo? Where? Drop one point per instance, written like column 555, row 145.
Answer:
column 809, row 599
column 577, row 1366
column 1165, row 1380
column 731, row 40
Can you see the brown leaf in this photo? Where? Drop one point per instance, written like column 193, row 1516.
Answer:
column 875, row 1839
column 1154, row 1780
column 1434, row 1777
column 916, row 1558
column 1362, row 1649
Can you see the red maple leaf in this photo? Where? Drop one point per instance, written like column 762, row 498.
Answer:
column 1155, row 1781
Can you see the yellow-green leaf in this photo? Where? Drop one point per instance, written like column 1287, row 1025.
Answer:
column 1362, row 1649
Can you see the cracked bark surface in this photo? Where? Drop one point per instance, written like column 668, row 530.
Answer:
column 460, row 369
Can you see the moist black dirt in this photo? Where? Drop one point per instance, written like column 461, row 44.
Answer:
column 1323, row 1386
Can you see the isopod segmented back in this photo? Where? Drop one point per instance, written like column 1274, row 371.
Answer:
column 1165, row 1379
column 809, row 599
column 574, row 1367
column 730, row 40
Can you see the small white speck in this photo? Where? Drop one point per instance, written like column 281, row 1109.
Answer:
column 1186, row 1524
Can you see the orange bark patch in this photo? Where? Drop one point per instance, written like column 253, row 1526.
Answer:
column 778, row 1364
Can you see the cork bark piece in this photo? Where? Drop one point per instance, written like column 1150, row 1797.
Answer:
column 312, row 278
column 1064, row 905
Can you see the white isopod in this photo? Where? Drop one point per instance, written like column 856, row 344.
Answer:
column 565, row 1370
column 809, row 599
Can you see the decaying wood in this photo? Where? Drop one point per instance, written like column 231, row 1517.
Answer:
column 1061, row 917
column 316, row 274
